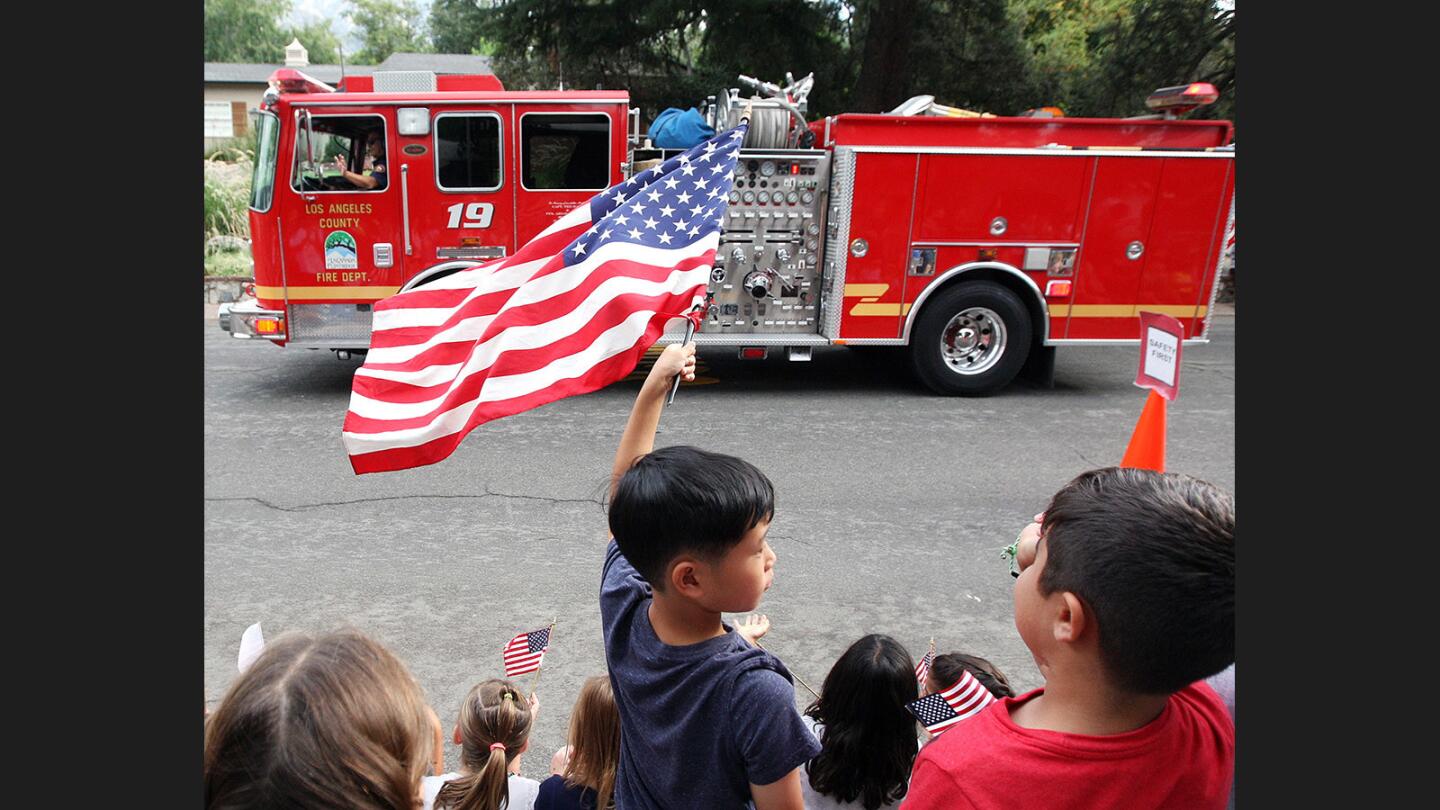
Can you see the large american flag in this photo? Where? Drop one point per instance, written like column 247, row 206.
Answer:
column 524, row 652
column 941, row 710
column 572, row 311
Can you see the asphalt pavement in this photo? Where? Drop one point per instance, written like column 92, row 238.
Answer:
column 892, row 506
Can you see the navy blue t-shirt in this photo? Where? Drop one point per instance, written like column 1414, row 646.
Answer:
column 554, row 795
column 699, row 723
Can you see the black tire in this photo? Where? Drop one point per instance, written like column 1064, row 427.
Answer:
column 987, row 345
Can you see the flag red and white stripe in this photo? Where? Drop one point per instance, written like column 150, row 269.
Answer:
column 941, row 710
column 572, row 311
column 525, row 651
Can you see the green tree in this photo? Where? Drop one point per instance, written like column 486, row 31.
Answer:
column 664, row 52
column 965, row 53
column 1161, row 43
column 1059, row 35
column 322, row 47
column 767, row 38
column 245, row 30
column 386, row 27
column 456, row 26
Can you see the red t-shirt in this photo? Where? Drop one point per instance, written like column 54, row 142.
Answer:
column 1185, row 758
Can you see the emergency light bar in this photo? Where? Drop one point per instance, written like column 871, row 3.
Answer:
column 1182, row 98
column 290, row 80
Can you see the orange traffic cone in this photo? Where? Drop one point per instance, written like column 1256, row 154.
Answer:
column 1147, row 445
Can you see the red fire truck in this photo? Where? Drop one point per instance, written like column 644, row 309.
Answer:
column 981, row 243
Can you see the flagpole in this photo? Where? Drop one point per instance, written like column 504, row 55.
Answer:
column 541, row 666
column 690, row 322
column 689, row 333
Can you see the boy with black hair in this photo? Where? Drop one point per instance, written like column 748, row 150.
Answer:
column 707, row 718
column 1126, row 600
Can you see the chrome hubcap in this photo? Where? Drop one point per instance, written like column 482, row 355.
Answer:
column 973, row 341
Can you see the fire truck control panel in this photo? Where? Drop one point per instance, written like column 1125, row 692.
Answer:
column 766, row 274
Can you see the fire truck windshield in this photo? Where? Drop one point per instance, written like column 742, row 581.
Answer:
column 262, row 180
column 348, row 152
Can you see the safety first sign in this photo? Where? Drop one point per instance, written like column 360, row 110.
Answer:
column 1160, row 337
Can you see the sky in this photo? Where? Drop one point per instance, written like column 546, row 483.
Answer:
column 305, row 11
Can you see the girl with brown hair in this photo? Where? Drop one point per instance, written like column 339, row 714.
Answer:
column 329, row 721
column 587, row 781
column 493, row 731
column 948, row 668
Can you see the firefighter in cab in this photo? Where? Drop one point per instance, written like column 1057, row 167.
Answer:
column 373, row 174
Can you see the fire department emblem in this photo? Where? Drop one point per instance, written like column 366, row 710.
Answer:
column 340, row 253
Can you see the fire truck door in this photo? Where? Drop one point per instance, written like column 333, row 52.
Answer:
column 1186, row 240
column 878, row 249
column 1114, row 249
column 563, row 156
column 346, row 242
column 461, row 204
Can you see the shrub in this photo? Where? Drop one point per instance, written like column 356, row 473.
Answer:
column 227, row 199
column 232, row 150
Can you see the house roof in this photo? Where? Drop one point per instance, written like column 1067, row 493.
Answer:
column 440, row 63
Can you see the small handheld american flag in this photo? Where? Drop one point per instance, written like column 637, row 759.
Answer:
column 941, row 710
column 922, row 669
column 524, row 652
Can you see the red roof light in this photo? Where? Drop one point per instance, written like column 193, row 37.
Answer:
column 1183, row 97
column 290, row 80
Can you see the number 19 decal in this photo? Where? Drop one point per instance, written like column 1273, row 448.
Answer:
column 477, row 215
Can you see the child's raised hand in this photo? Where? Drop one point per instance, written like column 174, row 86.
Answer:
column 676, row 359
column 1028, row 541
column 752, row 627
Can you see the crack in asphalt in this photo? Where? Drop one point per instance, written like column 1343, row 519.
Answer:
column 488, row 494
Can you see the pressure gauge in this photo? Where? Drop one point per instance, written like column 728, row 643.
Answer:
column 767, row 169
column 749, row 196
column 734, row 197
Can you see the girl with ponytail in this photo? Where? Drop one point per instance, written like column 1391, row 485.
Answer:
column 493, row 731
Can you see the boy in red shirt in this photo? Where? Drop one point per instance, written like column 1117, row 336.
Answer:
column 1126, row 600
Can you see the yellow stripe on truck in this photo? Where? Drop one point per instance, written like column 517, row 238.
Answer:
column 880, row 309
column 1125, row 310
column 865, row 290
column 320, row 293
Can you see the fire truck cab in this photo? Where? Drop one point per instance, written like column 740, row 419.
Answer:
column 981, row 243
column 471, row 173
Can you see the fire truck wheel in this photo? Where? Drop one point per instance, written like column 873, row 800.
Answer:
column 971, row 340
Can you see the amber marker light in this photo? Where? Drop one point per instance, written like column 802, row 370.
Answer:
column 1058, row 288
